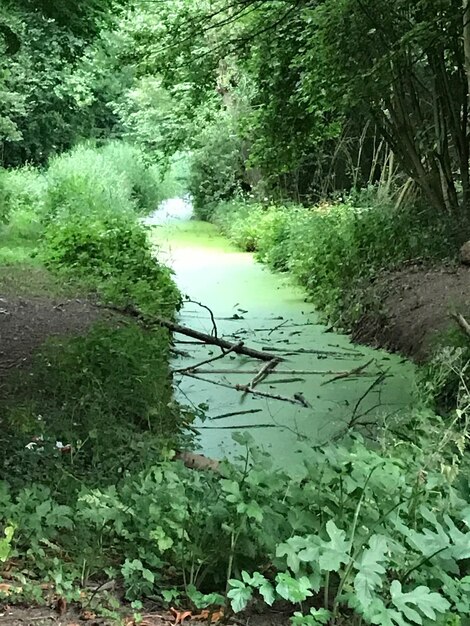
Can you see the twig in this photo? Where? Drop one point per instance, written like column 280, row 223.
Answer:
column 263, row 372
column 196, row 366
column 353, row 372
column 235, row 413
column 380, row 378
column 255, row 392
column 204, row 306
column 462, row 322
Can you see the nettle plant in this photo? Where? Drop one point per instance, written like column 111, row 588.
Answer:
column 373, row 540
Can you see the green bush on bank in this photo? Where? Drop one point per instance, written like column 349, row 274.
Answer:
column 107, row 394
column 331, row 249
column 92, row 181
column 111, row 254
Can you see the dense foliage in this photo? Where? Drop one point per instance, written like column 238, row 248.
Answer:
column 333, row 249
column 278, row 105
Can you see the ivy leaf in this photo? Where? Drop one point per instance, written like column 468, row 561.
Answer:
column 422, row 598
column 371, row 570
column 336, row 551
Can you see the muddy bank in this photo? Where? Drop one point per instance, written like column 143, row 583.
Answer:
column 411, row 307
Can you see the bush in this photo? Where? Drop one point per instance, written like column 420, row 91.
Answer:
column 112, row 254
column 130, row 163
column 332, row 249
column 22, row 194
column 83, row 182
column 100, row 393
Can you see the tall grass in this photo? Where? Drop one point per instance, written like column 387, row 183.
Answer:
column 22, row 194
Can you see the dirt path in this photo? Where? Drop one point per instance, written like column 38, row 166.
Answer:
column 415, row 308
column 34, row 308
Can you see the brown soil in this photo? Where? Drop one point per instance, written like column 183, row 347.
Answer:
column 415, row 307
column 26, row 323
column 30, row 616
column 33, row 308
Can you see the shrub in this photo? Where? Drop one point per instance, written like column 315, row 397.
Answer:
column 331, row 249
column 129, row 162
column 99, row 393
column 216, row 169
column 112, row 254
column 22, row 194
column 83, row 182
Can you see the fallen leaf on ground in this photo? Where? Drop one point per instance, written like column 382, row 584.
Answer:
column 213, row 616
column 88, row 615
column 180, row 616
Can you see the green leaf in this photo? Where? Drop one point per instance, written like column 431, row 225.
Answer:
column 292, row 589
column 336, row 551
column 239, row 595
column 422, row 598
column 371, row 570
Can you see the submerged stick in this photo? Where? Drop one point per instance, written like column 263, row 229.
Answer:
column 255, row 392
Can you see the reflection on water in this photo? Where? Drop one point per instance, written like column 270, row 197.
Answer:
column 267, row 311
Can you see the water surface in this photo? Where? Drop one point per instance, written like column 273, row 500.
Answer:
column 267, row 310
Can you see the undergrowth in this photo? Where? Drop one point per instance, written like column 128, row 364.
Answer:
column 332, row 249
column 371, row 536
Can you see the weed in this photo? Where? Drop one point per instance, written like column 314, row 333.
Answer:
column 111, row 254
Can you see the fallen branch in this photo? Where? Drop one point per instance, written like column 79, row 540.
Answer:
column 246, row 388
column 462, row 322
column 196, row 366
column 354, row 372
column 195, row 334
column 345, row 374
column 235, row 413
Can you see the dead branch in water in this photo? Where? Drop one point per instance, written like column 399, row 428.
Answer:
column 238, row 348
column 247, row 389
column 354, row 372
column 215, row 332
column 336, row 374
column 196, row 366
column 235, row 413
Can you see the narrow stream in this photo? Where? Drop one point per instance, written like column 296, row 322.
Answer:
column 266, row 310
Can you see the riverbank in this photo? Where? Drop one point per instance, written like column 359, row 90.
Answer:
column 388, row 278
column 413, row 309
